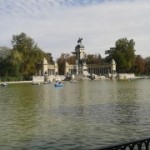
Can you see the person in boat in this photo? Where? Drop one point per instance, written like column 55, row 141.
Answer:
column 58, row 82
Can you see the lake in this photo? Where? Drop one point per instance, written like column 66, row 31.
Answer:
column 83, row 115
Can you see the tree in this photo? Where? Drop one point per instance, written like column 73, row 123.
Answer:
column 123, row 54
column 6, row 67
column 139, row 65
column 49, row 58
column 4, row 51
column 24, row 59
column 16, row 60
column 23, row 43
column 27, row 55
column 147, row 65
column 94, row 59
column 65, row 58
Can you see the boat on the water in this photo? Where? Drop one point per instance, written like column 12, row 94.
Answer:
column 73, row 81
column 4, row 84
column 58, row 84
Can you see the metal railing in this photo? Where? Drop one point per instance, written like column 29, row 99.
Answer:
column 135, row 145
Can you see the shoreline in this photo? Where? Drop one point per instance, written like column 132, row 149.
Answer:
column 17, row 82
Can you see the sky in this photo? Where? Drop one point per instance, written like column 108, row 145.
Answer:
column 56, row 25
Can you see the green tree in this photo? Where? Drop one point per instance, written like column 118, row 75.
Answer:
column 23, row 60
column 4, row 51
column 16, row 59
column 26, row 55
column 147, row 65
column 65, row 58
column 23, row 43
column 139, row 66
column 49, row 58
column 6, row 67
column 94, row 59
column 123, row 53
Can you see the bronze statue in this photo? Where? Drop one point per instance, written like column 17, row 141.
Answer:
column 80, row 40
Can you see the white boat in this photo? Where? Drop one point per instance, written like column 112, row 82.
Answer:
column 4, row 84
column 58, row 84
column 73, row 81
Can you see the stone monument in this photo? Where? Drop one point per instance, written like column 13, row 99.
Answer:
column 80, row 66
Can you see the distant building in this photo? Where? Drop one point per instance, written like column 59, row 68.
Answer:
column 81, row 68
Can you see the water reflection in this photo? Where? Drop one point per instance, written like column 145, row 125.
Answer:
column 84, row 115
column 127, row 104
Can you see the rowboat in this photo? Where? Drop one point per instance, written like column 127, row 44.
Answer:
column 58, row 84
column 3, row 84
column 73, row 81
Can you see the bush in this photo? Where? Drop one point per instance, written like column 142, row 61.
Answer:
column 10, row 78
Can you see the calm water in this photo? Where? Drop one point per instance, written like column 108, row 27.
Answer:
column 83, row 115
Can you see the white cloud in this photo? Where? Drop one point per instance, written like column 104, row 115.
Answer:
column 57, row 24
